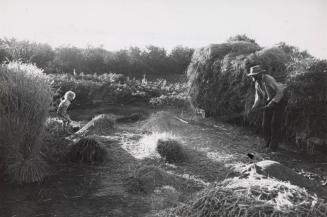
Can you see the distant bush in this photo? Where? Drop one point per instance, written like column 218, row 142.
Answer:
column 134, row 62
column 84, row 89
column 25, row 98
column 117, row 89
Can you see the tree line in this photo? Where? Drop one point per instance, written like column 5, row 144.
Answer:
column 135, row 62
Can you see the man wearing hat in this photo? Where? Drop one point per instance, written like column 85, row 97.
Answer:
column 269, row 94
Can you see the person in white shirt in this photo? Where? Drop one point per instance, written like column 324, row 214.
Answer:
column 270, row 94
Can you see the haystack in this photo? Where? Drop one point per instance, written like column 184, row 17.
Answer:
column 254, row 196
column 171, row 150
column 278, row 171
column 100, row 125
column 162, row 122
column 87, row 150
column 219, row 84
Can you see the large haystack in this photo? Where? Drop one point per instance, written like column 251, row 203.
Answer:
column 219, row 85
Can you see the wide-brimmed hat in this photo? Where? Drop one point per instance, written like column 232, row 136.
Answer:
column 256, row 70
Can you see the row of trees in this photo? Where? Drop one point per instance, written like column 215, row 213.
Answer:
column 152, row 61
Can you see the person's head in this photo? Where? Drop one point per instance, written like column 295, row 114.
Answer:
column 70, row 95
column 256, row 73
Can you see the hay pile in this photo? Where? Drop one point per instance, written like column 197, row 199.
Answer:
column 254, row 196
column 171, row 150
column 162, row 122
column 274, row 169
column 87, row 150
column 219, row 85
column 99, row 125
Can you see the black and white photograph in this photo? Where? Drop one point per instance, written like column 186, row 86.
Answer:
column 163, row 108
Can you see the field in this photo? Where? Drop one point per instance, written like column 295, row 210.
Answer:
column 100, row 190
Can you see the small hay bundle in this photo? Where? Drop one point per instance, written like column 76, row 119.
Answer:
column 147, row 178
column 162, row 122
column 87, row 150
column 171, row 150
column 255, row 196
column 100, row 125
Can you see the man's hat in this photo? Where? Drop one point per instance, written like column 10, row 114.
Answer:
column 256, row 70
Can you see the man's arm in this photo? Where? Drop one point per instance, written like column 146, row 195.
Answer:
column 257, row 97
column 279, row 88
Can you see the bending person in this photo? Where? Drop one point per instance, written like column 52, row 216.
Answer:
column 271, row 94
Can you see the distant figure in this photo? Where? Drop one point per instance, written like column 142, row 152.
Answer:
column 144, row 80
column 270, row 93
column 63, row 107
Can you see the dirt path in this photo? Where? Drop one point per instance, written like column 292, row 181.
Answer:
column 213, row 149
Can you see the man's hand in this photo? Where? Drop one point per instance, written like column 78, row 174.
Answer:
column 250, row 111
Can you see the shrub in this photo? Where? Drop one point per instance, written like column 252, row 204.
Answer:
column 87, row 150
column 83, row 88
column 25, row 98
column 115, row 88
column 171, row 150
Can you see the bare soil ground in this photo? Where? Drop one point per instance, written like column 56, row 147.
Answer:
column 213, row 148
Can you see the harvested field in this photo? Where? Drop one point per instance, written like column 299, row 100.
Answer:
column 134, row 181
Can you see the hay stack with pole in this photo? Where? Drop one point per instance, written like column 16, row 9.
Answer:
column 256, row 195
column 218, row 83
column 100, row 125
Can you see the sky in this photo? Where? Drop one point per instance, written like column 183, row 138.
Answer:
column 119, row 24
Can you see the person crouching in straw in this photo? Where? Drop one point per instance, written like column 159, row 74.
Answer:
column 271, row 94
column 63, row 107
